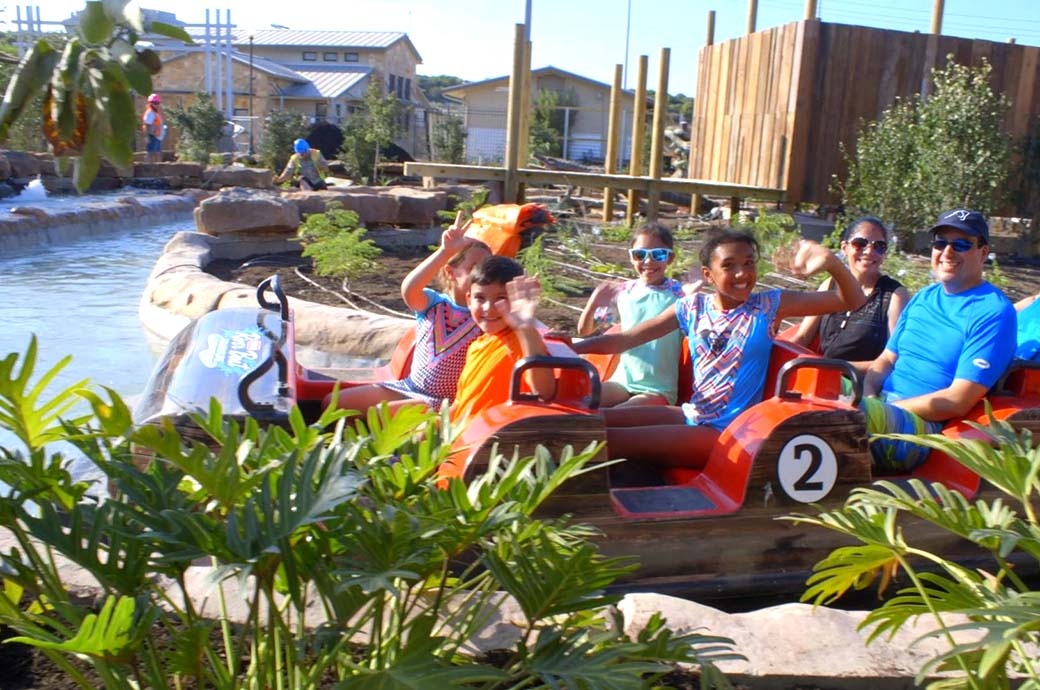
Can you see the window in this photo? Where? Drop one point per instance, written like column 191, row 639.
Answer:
column 310, row 56
column 408, row 89
column 321, row 109
column 330, row 57
column 391, row 84
column 400, row 88
column 350, row 57
column 339, row 111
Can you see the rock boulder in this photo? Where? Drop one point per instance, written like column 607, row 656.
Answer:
column 239, row 210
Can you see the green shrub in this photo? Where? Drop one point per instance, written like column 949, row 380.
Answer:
column 337, row 245
column 369, row 130
column 449, row 140
column 281, row 129
column 996, row 601
column 348, row 522
column 199, row 125
column 932, row 153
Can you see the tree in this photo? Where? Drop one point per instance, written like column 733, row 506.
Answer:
column 432, row 86
column 449, row 139
column 369, row 130
column 200, row 124
column 552, row 117
column 934, row 152
column 281, row 128
column 88, row 108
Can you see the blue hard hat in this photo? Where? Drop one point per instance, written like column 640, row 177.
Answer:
column 301, row 146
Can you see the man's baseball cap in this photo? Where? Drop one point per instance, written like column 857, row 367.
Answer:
column 971, row 222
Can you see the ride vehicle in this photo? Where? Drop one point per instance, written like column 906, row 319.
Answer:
column 707, row 533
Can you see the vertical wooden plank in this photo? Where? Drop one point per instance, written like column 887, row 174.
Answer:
column 613, row 134
column 803, row 110
column 635, row 159
column 1025, row 91
column 657, row 141
column 513, row 116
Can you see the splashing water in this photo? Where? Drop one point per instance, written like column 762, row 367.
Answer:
column 35, row 191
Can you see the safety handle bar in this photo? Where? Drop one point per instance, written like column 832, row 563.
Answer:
column 549, row 362
column 274, row 283
column 248, row 404
column 817, row 363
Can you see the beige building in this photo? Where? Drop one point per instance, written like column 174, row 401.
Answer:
column 324, row 75
column 586, row 106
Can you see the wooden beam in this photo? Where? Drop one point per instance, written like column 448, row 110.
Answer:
column 810, row 9
column 657, row 137
column 643, row 183
column 635, row 161
column 514, row 116
column 613, row 134
column 752, row 15
column 937, row 17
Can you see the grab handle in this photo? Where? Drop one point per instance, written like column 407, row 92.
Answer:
column 839, row 365
column 274, row 283
column 246, row 400
column 547, row 362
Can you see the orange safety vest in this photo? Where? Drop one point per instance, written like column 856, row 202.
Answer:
column 156, row 128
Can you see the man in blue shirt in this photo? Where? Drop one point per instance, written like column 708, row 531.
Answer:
column 952, row 343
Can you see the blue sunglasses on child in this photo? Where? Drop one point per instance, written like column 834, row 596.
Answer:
column 657, row 254
column 959, row 245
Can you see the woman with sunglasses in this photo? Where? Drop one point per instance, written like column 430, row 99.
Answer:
column 859, row 336
column 647, row 374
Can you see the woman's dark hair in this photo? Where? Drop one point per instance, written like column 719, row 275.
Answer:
column 872, row 220
column 495, row 269
column 657, row 231
column 716, row 238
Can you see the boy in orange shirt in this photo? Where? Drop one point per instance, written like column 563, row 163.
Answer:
column 502, row 302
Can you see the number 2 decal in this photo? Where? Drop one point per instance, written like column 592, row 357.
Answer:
column 807, row 468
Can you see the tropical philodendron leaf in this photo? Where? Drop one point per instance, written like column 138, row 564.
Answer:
column 112, row 635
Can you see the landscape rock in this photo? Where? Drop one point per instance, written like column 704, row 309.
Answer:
column 419, row 207
column 22, row 164
column 216, row 177
column 240, row 210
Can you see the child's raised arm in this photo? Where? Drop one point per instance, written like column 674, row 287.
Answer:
column 643, row 332
column 810, row 258
column 453, row 239
column 601, row 298
column 524, row 293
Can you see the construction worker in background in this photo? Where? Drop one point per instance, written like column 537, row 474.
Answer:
column 154, row 128
column 306, row 168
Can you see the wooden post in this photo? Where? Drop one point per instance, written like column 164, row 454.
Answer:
column 937, row 17
column 653, row 198
column 613, row 134
column 513, row 117
column 752, row 15
column 524, row 156
column 710, row 40
column 635, row 161
column 810, row 9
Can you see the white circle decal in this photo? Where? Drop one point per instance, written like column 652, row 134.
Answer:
column 807, row 468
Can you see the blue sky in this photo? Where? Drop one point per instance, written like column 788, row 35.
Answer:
column 472, row 39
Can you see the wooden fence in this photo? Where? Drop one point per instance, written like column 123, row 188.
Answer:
column 773, row 106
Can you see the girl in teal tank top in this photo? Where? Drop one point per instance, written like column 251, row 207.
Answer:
column 647, row 374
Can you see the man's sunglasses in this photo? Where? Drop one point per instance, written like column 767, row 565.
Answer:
column 959, row 245
column 880, row 246
column 658, row 254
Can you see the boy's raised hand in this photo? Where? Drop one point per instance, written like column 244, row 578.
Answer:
column 524, row 293
column 605, row 293
column 453, row 239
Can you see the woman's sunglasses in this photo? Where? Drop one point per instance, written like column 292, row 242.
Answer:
column 959, row 245
column 658, row 254
column 880, row 246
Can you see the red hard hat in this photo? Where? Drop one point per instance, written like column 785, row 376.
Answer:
column 154, row 98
